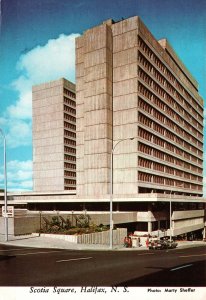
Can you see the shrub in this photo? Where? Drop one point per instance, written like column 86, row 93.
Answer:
column 55, row 221
column 82, row 230
column 83, row 221
column 54, row 229
column 68, row 224
column 83, row 226
column 73, row 231
column 98, row 229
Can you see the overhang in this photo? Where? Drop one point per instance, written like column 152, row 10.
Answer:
column 63, row 197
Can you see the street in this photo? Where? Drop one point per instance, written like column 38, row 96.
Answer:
column 21, row 266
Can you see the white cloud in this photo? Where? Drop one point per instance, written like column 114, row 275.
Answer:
column 22, row 108
column 19, row 175
column 24, row 165
column 20, row 186
column 20, row 133
column 52, row 61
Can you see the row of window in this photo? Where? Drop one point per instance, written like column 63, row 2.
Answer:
column 69, row 149
column 167, row 73
column 69, row 133
column 175, row 161
column 149, row 178
column 192, row 125
column 163, row 130
column 160, row 154
column 163, row 94
column 69, row 118
column 69, row 142
column 69, row 101
column 147, row 65
column 69, row 93
column 146, row 163
column 69, row 125
column 69, row 157
column 69, row 173
column 69, row 109
column 69, row 165
column 69, row 181
column 166, row 134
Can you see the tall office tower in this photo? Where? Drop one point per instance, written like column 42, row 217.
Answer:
column 94, row 109
column 131, row 85
column 54, row 136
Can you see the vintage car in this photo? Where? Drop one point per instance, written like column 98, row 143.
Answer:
column 170, row 244
column 156, row 244
column 160, row 244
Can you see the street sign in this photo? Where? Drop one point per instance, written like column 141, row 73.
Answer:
column 10, row 211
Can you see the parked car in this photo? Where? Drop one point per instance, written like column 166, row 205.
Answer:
column 170, row 244
column 157, row 244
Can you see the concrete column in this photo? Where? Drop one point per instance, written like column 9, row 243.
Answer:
column 149, row 227
column 204, row 233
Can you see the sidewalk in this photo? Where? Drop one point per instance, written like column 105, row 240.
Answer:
column 36, row 241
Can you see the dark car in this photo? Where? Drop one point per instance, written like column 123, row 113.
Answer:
column 170, row 244
column 157, row 244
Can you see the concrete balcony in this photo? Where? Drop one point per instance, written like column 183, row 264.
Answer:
column 187, row 214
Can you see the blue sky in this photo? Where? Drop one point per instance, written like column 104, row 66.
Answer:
column 37, row 45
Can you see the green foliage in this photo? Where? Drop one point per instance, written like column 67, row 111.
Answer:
column 72, row 231
column 55, row 221
column 98, row 229
column 83, row 221
column 54, row 229
column 68, row 224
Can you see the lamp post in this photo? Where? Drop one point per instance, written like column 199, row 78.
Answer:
column 170, row 215
column 5, row 188
column 111, row 192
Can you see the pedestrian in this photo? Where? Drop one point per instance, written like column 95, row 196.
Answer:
column 126, row 242
column 129, row 242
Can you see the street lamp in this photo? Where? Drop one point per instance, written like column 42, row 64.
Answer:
column 111, row 192
column 5, row 188
column 170, row 215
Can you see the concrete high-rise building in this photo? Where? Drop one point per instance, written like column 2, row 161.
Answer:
column 129, row 84
column 54, row 136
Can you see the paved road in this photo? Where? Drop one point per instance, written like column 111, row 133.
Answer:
column 20, row 266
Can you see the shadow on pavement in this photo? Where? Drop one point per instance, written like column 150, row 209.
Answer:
column 194, row 276
column 22, row 238
column 6, row 257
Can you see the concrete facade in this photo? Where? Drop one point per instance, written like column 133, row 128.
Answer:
column 94, row 109
column 54, row 136
column 131, row 85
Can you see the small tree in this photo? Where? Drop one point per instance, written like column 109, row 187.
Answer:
column 68, row 224
column 83, row 221
column 55, row 221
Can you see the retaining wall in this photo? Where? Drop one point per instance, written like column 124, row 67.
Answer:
column 93, row 238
